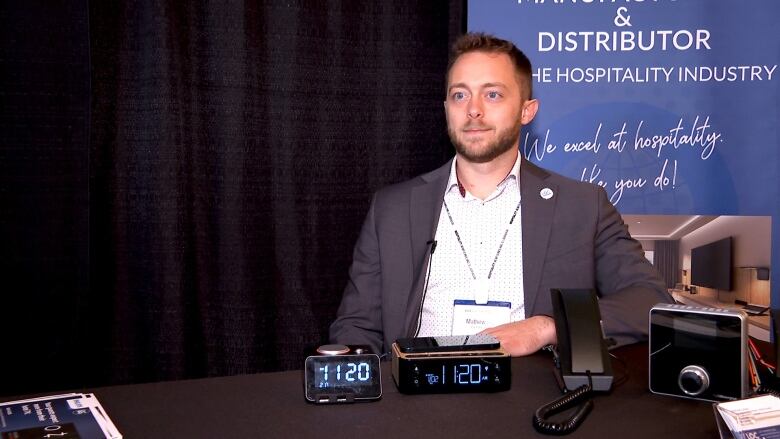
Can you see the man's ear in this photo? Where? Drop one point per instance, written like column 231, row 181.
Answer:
column 530, row 107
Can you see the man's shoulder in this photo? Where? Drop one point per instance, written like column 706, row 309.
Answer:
column 404, row 188
column 438, row 177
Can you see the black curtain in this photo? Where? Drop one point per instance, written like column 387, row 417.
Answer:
column 666, row 258
column 231, row 152
column 44, row 177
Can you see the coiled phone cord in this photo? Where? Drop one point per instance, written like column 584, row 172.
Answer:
column 566, row 401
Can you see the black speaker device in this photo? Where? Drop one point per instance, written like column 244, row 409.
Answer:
column 698, row 353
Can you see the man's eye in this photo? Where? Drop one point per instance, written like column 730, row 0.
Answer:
column 493, row 95
column 458, row 96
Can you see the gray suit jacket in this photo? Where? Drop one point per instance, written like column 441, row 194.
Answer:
column 575, row 239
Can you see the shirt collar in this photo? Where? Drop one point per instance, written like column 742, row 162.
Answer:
column 454, row 182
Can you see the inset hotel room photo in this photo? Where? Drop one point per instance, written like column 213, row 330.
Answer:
column 713, row 261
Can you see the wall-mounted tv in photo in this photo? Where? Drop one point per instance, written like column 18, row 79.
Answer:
column 711, row 265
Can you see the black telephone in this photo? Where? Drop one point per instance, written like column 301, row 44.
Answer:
column 582, row 361
column 582, row 351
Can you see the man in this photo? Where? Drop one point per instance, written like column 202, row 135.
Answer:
column 476, row 245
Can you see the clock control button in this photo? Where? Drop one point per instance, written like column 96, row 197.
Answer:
column 333, row 349
column 693, row 380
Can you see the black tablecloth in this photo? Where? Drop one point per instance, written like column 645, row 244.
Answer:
column 272, row 405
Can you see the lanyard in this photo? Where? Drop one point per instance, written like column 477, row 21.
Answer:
column 463, row 248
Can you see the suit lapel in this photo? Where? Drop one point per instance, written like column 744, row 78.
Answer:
column 537, row 214
column 424, row 209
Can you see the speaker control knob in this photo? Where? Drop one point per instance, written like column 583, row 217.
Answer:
column 693, row 380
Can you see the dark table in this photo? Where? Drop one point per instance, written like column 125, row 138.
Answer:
column 272, row 405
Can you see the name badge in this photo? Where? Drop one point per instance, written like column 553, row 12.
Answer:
column 470, row 317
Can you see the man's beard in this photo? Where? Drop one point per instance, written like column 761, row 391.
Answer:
column 506, row 140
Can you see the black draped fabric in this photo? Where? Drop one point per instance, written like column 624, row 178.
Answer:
column 216, row 179
column 666, row 258
column 44, row 177
column 234, row 150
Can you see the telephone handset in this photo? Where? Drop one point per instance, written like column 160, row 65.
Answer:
column 582, row 351
column 582, row 360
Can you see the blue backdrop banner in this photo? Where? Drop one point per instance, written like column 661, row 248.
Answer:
column 670, row 105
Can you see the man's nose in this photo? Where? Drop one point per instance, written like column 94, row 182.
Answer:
column 474, row 109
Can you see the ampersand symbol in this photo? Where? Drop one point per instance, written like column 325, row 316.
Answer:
column 622, row 20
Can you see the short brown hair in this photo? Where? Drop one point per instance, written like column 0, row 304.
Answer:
column 482, row 42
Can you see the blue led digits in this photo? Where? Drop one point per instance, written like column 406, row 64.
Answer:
column 332, row 374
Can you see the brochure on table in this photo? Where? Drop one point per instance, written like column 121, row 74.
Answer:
column 72, row 415
column 757, row 417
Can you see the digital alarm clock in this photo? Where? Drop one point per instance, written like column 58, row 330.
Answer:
column 451, row 364
column 342, row 374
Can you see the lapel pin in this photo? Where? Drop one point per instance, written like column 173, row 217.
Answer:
column 546, row 193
